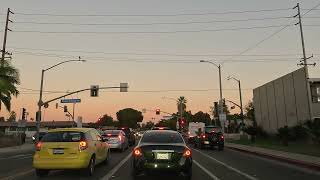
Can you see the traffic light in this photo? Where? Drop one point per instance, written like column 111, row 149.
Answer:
column 223, row 102
column 157, row 111
column 24, row 111
column 65, row 108
column 94, row 91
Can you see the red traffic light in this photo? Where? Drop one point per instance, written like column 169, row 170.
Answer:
column 157, row 111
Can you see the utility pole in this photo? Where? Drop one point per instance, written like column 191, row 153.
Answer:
column 304, row 59
column 5, row 36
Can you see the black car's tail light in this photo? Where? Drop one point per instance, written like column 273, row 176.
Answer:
column 38, row 146
column 137, row 152
column 83, row 145
column 187, row 152
column 222, row 137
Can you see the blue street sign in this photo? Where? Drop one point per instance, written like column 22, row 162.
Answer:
column 70, row 100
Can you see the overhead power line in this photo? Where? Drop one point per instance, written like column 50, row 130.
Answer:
column 149, row 32
column 152, row 15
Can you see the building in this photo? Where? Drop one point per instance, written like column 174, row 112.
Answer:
column 287, row 101
column 30, row 128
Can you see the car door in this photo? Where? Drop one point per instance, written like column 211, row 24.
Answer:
column 96, row 146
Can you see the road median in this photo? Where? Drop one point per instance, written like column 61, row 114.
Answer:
column 306, row 161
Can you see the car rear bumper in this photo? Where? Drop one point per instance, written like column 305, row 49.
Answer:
column 115, row 146
column 212, row 143
column 141, row 165
column 79, row 162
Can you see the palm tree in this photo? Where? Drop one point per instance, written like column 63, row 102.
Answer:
column 181, row 104
column 9, row 78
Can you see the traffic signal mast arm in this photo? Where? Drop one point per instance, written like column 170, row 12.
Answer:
column 234, row 103
column 87, row 89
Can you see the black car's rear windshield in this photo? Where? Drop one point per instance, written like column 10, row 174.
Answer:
column 212, row 129
column 161, row 137
column 63, row 136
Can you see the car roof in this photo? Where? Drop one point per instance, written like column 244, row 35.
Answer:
column 71, row 129
column 161, row 131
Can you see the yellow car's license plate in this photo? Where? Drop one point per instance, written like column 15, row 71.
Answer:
column 58, row 151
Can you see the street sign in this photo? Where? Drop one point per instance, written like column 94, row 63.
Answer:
column 70, row 100
column 222, row 117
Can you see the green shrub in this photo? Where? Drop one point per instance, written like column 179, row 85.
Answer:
column 313, row 129
column 298, row 132
column 283, row 134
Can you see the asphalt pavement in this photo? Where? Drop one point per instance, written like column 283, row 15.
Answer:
column 207, row 165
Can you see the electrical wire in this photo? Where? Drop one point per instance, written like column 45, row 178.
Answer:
column 151, row 15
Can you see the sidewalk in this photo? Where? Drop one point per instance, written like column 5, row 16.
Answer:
column 25, row 147
column 292, row 158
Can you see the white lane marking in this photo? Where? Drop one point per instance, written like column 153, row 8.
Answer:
column 18, row 175
column 17, row 156
column 116, row 168
column 206, row 170
column 227, row 166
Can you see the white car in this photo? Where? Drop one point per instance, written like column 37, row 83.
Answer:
column 116, row 139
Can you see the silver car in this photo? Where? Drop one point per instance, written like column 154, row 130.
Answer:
column 116, row 139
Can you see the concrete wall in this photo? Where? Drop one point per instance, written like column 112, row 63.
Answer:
column 283, row 101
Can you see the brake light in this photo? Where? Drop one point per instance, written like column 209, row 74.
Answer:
column 187, row 153
column 204, row 136
column 38, row 146
column 222, row 137
column 83, row 145
column 120, row 138
column 108, row 134
column 137, row 152
column 161, row 128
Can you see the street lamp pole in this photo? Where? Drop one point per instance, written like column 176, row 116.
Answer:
column 40, row 103
column 240, row 94
column 220, row 87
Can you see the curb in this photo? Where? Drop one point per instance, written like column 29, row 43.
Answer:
column 282, row 159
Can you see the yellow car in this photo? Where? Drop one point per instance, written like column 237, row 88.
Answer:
column 70, row 148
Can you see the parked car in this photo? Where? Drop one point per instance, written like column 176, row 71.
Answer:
column 212, row 136
column 129, row 134
column 162, row 151
column 70, row 148
column 116, row 139
column 41, row 134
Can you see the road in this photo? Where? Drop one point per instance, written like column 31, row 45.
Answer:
column 207, row 165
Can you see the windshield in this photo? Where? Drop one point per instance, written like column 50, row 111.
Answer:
column 67, row 136
column 161, row 137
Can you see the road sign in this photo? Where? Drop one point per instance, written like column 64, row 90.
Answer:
column 222, row 117
column 70, row 100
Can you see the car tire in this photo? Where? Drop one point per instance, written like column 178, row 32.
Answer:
column 91, row 166
column 42, row 172
column 106, row 161
column 220, row 148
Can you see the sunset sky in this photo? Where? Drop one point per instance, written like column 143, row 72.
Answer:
column 154, row 46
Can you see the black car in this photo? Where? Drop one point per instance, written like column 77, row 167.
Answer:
column 129, row 134
column 212, row 137
column 162, row 151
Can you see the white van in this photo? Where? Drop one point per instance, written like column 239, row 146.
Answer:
column 193, row 129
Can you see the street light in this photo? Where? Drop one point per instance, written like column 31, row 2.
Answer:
column 220, row 86
column 240, row 94
column 40, row 103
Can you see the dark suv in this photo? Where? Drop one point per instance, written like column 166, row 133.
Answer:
column 211, row 137
column 129, row 134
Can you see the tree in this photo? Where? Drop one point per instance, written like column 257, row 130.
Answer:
column 129, row 117
column 249, row 111
column 12, row 117
column 9, row 79
column 202, row 117
column 181, row 104
column 2, row 119
column 149, row 125
column 106, row 120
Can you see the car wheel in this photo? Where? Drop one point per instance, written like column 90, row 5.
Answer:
column 42, row 172
column 220, row 148
column 135, row 175
column 106, row 161
column 91, row 166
